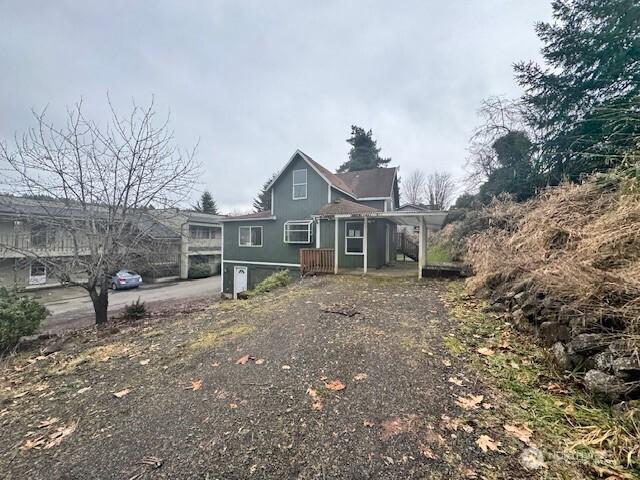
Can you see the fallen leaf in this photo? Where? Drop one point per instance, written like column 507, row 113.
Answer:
column 487, row 443
column 485, row 351
column 317, row 401
column 196, row 384
column 455, row 381
column 361, row 376
column 242, row 360
column 145, row 362
column 286, row 367
column 84, row 389
column 468, row 473
column 555, row 388
column 396, row 426
column 470, row 402
column 335, row 385
column 426, row 452
column 260, row 361
column 121, row 393
column 522, row 433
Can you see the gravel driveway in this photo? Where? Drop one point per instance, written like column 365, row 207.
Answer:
column 332, row 378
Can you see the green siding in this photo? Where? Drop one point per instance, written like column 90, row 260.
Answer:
column 256, row 273
column 376, row 244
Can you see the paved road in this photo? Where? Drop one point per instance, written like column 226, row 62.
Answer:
column 72, row 308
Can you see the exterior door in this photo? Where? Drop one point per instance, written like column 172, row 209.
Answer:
column 239, row 280
column 37, row 273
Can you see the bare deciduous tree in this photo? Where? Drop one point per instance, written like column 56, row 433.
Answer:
column 440, row 187
column 89, row 188
column 499, row 116
column 413, row 187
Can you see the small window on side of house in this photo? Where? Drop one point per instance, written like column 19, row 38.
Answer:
column 298, row 231
column 354, row 238
column 300, row 184
column 250, row 236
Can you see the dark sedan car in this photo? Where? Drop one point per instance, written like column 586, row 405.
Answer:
column 125, row 279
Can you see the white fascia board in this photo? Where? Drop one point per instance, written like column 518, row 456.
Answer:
column 241, row 262
column 304, row 157
column 248, row 219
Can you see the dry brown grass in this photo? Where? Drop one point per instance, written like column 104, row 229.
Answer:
column 577, row 244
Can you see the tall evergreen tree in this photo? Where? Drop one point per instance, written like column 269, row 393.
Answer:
column 364, row 153
column 585, row 100
column 206, row 204
column 262, row 202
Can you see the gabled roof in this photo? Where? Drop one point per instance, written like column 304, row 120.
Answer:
column 342, row 206
column 413, row 207
column 374, row 183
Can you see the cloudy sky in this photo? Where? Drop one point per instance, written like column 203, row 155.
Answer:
column 255, row 80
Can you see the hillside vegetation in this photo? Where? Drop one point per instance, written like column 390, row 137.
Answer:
column 566, row 266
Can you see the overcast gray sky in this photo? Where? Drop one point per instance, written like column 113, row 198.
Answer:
column 255, row 80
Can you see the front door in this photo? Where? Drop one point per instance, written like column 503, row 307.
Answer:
column 239, row 280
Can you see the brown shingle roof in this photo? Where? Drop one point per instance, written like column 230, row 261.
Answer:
column 377, row 182
column 332, row 177
column 342, row 206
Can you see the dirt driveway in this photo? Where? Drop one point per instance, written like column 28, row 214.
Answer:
column 273, row 388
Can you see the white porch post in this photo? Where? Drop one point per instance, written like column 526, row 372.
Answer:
column 422, row 247
column 364, row 246
column 318, row 234
column 335, row 248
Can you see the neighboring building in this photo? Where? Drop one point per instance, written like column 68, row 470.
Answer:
column 182, row 239
column 312, row 212
column 200, row 237
column 412, row 207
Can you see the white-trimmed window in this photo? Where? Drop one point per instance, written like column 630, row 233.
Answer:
column 354, row 238
column 300, row 184
column 298, row 231
column 250, row 236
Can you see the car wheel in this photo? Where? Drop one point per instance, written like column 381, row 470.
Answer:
column 113, row 286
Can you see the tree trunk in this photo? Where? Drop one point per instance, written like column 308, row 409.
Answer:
column 100, row 301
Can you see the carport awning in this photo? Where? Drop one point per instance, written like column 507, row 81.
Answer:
column 433, row 218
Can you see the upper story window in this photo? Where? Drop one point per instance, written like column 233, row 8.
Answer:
column 41, row 236
column 250, row 236
column 298, row 231
column 201, row 232
column 354, row 238
column 300, row 184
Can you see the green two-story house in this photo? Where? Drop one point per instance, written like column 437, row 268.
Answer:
column 319, row 222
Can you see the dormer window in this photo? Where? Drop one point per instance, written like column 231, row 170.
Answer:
column 300, row 184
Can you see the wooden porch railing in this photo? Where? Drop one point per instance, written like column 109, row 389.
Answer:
column 316, row 260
